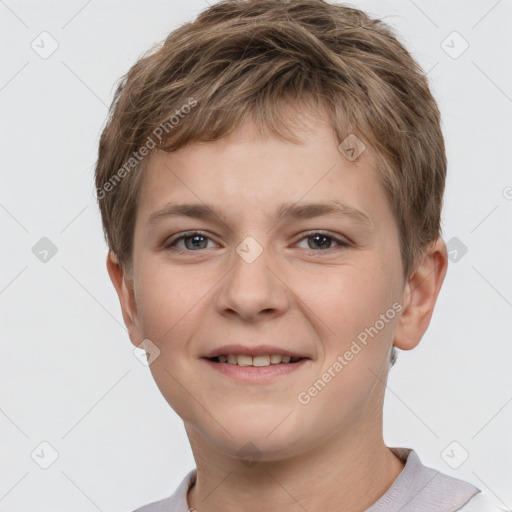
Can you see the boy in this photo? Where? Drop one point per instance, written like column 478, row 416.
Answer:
column 270, row 182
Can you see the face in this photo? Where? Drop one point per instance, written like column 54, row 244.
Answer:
column 261, row 271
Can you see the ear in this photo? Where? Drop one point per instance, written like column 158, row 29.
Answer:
column 420, row 295
column 123, row 283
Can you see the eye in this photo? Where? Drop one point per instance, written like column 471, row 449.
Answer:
column 322, row 240
column 196, row 240
column 193, row 241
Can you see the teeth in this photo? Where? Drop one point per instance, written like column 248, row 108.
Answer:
column 244, row 360
column 265, row 360
column 260, row 361
column 275, row 359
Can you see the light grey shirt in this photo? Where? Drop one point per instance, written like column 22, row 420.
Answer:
column 417, row 488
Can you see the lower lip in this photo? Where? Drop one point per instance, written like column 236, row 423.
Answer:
column 256, row 373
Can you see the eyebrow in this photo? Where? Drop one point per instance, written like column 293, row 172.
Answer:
column 286, row 210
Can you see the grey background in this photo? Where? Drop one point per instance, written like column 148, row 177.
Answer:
column 68, row 373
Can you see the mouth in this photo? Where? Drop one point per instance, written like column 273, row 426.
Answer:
column 256, row 360
column 257, row 365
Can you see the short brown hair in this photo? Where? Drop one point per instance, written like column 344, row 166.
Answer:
column 252, row 59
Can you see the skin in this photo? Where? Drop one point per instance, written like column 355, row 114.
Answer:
column 314, row 298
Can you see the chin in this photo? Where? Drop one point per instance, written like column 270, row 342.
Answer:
column 249, row 450
column 257, row 438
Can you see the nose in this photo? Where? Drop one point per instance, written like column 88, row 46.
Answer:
column 253, row 288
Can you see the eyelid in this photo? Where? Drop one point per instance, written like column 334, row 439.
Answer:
column 169, row 243
column 334, row 237
column 324, row 232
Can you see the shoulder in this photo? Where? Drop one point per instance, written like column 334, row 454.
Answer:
column 177, row 502
column 157, row 506
column 482, row 502
column 425, row 488
column 420, row 488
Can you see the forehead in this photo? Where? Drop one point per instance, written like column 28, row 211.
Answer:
column 248, row 172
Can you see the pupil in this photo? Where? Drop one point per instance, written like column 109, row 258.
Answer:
column 195, row 240
column 323, row 238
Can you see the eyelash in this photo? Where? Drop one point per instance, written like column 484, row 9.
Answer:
column 192, row 234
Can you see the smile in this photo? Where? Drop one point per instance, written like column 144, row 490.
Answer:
column 260, row 360
column 258, row 369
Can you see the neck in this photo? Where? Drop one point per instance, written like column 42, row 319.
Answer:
column 341, row 474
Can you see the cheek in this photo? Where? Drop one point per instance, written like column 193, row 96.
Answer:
column 356, row 341
column 166, row 299
column 169, row 304
column 346, row 301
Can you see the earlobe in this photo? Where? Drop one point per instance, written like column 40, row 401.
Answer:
column 126, row 294
column 420, row 295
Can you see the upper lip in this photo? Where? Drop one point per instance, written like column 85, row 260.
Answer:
column 255, row 350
